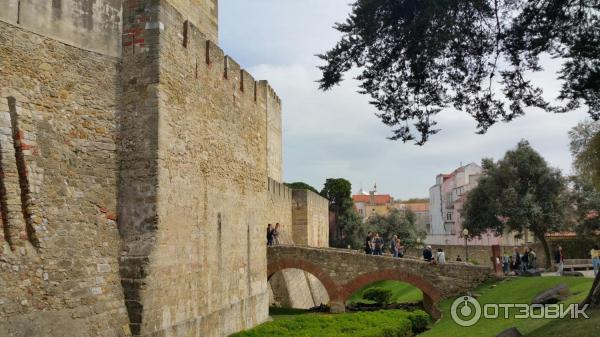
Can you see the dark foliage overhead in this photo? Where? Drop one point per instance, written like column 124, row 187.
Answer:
column 417, row 57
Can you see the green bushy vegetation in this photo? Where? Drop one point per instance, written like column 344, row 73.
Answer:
column 378, row 295
column 385, row 323
column 400, row 293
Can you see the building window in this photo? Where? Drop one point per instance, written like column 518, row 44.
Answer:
column 449, row 216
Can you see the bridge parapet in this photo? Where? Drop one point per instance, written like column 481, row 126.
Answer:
column 343, row 272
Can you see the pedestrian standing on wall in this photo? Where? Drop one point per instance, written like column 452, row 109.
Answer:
column 369, row 244
column 276, row 234
column 269, row 235
column 377, row 245
column 505, row 264
column 400, row 248
column 516, row 261
column 525, row 260
column 394, row 246
column 559, row 259
column 427, row 254
column 595, row 254
column 440, row 257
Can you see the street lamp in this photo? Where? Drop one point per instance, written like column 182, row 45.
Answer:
column 465, row 235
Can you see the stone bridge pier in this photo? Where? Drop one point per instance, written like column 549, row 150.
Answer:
column 342, row 272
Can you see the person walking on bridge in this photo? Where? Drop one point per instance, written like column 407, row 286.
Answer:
column 394, row 246
column 269, row 235
column 369, row 243
column 377, row 245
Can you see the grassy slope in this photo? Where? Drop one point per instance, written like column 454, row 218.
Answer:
column 521, row 290
column 365, row 324
column 401, row 292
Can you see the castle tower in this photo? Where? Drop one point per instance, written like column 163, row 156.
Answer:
column 194, row 168
column 203, row 14
column 138, row 153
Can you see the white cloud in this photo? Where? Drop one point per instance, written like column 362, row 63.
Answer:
column 336, row 133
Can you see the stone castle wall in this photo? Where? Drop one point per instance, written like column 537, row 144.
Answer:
column 200, row 254
column 310, row 212
column 59, row 243
column 128, row 111
column 279, row 210
column 88, row 24
column 309, row 226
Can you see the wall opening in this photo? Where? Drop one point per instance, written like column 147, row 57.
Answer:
column 297, row 289
column 186, row 25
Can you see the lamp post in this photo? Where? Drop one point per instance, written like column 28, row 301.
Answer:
column 465, row 235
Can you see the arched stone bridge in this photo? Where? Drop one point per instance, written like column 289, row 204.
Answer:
column 343, row 272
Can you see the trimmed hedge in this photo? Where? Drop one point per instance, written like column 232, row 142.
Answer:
column 385, row 323
column 378, row 295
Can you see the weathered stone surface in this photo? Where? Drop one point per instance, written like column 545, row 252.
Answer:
column 57, row 140
column 170, row 139
column 311, row 219
column 552, row 295
column 292, row 287
column 343, row 272
column 92, row 25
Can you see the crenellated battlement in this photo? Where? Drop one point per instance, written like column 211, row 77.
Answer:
column 279, row 189
column 195, row 42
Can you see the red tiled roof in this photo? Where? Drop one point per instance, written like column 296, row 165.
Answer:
column 380, row 199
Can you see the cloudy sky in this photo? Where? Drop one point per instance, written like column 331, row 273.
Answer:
column 336, row 133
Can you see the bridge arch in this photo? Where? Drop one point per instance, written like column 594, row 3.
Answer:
column 339, row 293
column 281, row 264
column 431, row 295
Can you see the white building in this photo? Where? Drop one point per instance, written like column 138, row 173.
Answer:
column 446, row 200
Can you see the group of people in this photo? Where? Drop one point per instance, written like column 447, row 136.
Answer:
column 519, row 262
column 374, row 245
column 438, row 258
column 273, row 234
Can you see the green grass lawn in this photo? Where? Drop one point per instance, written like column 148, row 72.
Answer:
column 522, row 290
column 401, row 292
column 384, row 323
column 295, row 322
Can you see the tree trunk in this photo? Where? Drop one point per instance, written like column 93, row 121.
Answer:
column 593, row 298
column 544, row 242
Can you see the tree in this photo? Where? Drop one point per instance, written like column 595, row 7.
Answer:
column 418, row 57
column 519, row 192
column 337, row 191
column 349, row 227
column 585, row 188
column 301, row 186
column 399, row 223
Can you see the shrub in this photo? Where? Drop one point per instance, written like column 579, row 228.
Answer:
column 419, row 321
column 383, row 323
column 378, row 295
